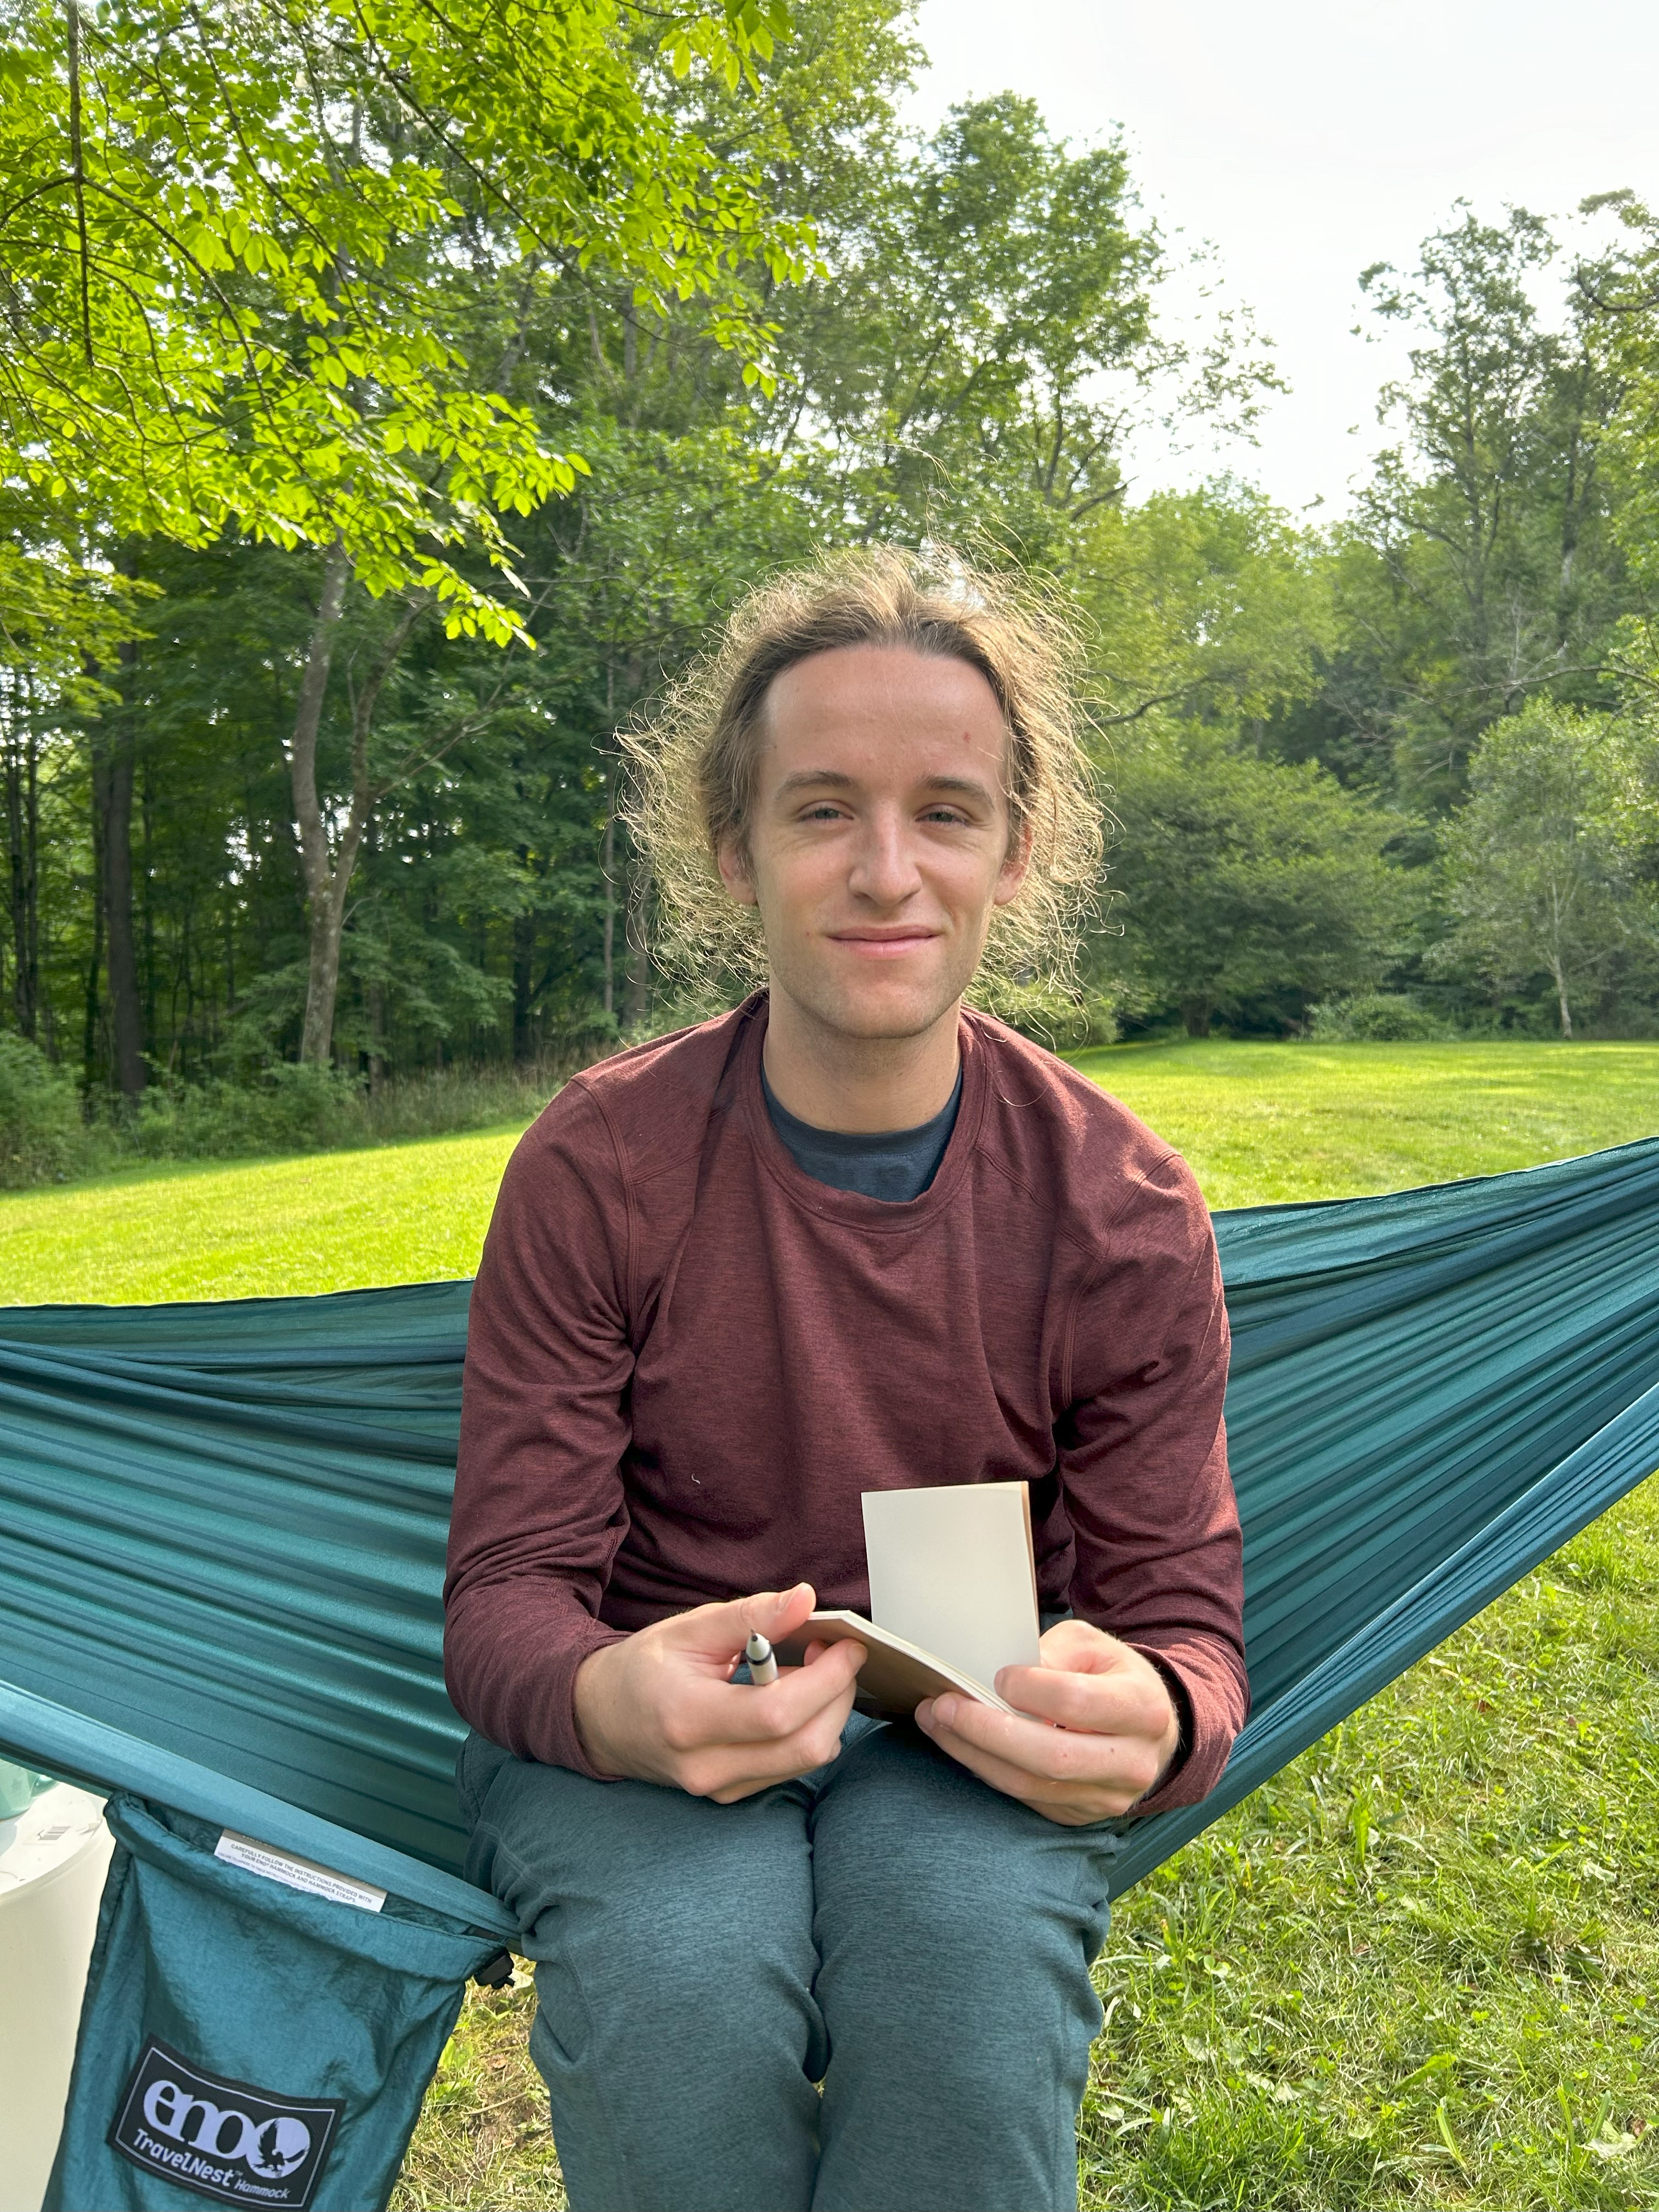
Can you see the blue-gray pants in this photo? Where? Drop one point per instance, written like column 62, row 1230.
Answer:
column 886, row 1926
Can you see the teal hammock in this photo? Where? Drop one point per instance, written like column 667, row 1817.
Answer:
column 221, row 1527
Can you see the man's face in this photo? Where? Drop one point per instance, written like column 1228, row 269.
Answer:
column 879, row 845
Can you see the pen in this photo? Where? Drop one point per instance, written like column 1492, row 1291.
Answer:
column 762, row 1666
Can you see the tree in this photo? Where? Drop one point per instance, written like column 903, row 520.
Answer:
column 1480, row 565
column 984, row 336
column 1202, row 604
column 263, row 266
column 1248, row 889
column 1620, row 293
column 228, row 234
column 1538, row 860
column 982, row 321
column 66, row 626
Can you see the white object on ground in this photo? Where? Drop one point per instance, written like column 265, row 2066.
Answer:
column 53, row 1857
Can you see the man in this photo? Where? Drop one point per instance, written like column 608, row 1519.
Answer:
column 848, row 1237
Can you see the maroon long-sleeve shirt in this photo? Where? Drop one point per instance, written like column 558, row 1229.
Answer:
column 686, row 1360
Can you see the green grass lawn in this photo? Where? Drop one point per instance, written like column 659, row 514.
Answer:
column 329, row 1221
column 1275, row 1121
column 1258, row 1122
column 1416, row 1968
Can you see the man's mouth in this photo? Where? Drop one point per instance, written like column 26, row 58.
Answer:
column 876, row 943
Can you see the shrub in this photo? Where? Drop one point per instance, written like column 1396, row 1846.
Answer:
column 1249, row 885
column 289, row 1109
column 448, row 1101
column 307, row 1110
column 41, row 1135
column 1377, row 1018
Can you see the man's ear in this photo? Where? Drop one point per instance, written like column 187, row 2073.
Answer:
column 1015, row 867
column 732, row 859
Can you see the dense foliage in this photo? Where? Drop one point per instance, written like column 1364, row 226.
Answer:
column 381, row 428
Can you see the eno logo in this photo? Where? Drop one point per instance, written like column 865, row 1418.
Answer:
column 221, row 2138
column 277, row 2148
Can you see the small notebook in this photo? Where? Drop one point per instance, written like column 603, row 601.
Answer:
column 953, row 1594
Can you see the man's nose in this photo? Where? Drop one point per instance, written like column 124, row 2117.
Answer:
column 885, row 867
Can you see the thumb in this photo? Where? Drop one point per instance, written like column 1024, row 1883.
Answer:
column 777, row 1613
column 720, row 1632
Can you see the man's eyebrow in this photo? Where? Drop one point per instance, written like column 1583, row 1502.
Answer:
column 817, row 778
column 969, row 786
column 820, row 779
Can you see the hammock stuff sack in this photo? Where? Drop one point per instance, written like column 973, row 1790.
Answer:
column 256, row 2030
column 222, row 1537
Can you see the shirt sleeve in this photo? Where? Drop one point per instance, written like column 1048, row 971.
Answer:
column 539, row 1506
column 1143, row 1467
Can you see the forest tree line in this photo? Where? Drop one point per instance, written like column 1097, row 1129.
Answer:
column 333, row 776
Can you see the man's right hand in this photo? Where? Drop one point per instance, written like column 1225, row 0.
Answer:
column 659, row 1706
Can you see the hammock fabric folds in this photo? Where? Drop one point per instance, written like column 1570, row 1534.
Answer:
column 221, row 1527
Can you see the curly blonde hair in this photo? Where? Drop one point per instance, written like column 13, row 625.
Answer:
column 694, row 767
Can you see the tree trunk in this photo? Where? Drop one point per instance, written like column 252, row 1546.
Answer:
column 611, row 900
column 90, row 1045
column 524, row 982
column 121, row 959
column 637, row 971
column 1195, row 1012
column 328, row 871
column 610, row 788
column 22, row 799
column 327, row 919
column 144, row 906
column 1561, row 998
column 376, row 1037
column 323, row 920
column 112, row 797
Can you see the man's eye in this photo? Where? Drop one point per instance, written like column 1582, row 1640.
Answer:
column 824, row 812
column 944, row 814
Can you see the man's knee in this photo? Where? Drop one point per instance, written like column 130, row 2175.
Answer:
column 931, row 1886
column 674, row 1963
column 710, row 1964
column 956, row 1992
column 637, row 1902
column 961, row 1941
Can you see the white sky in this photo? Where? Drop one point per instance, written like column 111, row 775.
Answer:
column 1308, row 140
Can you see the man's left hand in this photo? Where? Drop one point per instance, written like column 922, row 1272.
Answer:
column 1095, row 1729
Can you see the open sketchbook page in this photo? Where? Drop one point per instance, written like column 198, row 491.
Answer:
column 951, row 1571
column 952, row 1590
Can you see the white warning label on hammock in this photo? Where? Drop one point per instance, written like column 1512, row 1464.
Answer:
column 297, row 1874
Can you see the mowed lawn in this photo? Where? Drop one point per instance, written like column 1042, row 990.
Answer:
column 1265, row 1123
column 1259, row 1123
column 327, row 1221
column 1419, row 1967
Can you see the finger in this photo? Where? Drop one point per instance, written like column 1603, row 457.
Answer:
column 1102, row 1704
column 778, row 1614
column 1078, row 1648
column 716, row 1712
column 1048, row 1755
column 728, row 1771
column 716, row 1632
column 1072, row 1800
